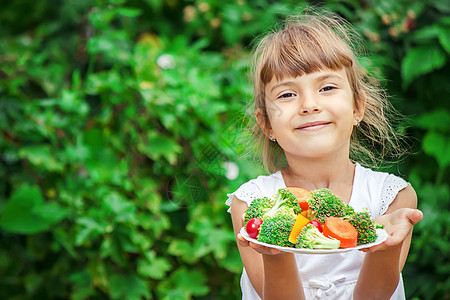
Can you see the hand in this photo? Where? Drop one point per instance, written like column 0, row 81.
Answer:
column 398, row 226
column 259, row 248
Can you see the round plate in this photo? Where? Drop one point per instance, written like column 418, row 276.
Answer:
column 382, row 236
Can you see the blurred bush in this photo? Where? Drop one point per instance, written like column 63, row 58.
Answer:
column 121, row 127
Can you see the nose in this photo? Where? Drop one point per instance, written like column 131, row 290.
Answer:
column 309, row 111
column 309, row 105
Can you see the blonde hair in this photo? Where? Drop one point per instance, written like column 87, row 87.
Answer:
column 309, row 43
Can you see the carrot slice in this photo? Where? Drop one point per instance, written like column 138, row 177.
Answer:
column 302, row 195
column 342, row 230
column 299, row 224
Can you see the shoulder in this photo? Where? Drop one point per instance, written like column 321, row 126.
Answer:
column 406, row 198
column 371, row 175
column 379, row 189
column 262, row 186
column 379, row 180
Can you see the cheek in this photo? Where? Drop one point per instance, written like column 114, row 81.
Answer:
column 280, row 112
column 273, row 115
column 273, row 111
column 344, row 109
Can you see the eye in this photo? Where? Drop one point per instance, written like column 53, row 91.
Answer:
column 286, row 95
column 327, row 88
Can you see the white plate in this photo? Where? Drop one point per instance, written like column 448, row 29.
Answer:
column 382, row 236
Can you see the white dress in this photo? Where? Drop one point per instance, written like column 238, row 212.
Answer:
column 330, row 276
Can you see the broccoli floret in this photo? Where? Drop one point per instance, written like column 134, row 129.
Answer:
column 364, row 225
column 278, row 213
column 323, row 203
column 311, row 238
column 283, row 198
column 258, row 208
column 283, row 210
column 276, row 230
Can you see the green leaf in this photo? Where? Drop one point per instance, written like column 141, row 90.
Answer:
column 81, row 285
column 41, row 156
column 100, row 44
column 426, row 33
column 91, row 226
column 27, row 213
column 101, row 18
column 184, row 282
column 443, row 6
column 153, row 266
column 76, row 153
column 232, row 262
column 158, row 223
column 229, row 32
column 143, row 241
column 186, row 251
column 70, row 102
column 158, row 146
column 65, row 239
column 176, row 295
column 155, row 4
column 122, row 208
column 444, row 38
column 210, row 238
column 129, row 287
column 438, row 146
column 104, row 81
column 114, row 249
column 436, row 120
column 422, row 60
column 129, row 12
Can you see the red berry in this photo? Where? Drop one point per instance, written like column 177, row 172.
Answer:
column 252, row 227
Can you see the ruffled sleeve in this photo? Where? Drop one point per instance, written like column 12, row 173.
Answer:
column 247, row 192
column 262, row 186
column 374, row 191
column 391, row 187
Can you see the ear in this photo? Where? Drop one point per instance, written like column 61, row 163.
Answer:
column 263, row 122
column 359, row 106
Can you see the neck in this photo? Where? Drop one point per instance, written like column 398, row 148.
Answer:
column 332, row 173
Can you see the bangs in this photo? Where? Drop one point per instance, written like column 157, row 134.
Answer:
column 299, row 50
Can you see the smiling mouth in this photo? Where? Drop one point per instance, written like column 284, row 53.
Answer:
column 313, row 126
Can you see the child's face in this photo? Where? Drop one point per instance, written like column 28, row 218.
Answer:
column 312, row 115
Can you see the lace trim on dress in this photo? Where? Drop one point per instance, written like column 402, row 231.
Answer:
column 392, row 185
column 247, row 193
column 229, row 200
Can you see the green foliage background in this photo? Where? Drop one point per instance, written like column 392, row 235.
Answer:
column 117, row 118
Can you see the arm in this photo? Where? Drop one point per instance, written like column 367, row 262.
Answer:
column 274, row 275
column 382, row 265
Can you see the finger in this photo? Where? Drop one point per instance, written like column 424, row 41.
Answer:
column 240, row 237
column 403, row 226
column 253, row 245
column 264, row 250
column 241, row 241
column 415, row 216
column 274, row 251
column 258, row 248
column 375, row 248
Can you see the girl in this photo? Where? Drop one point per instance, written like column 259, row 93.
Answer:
column 316, row 111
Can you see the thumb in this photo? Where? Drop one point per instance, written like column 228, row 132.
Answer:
column 415, row 216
